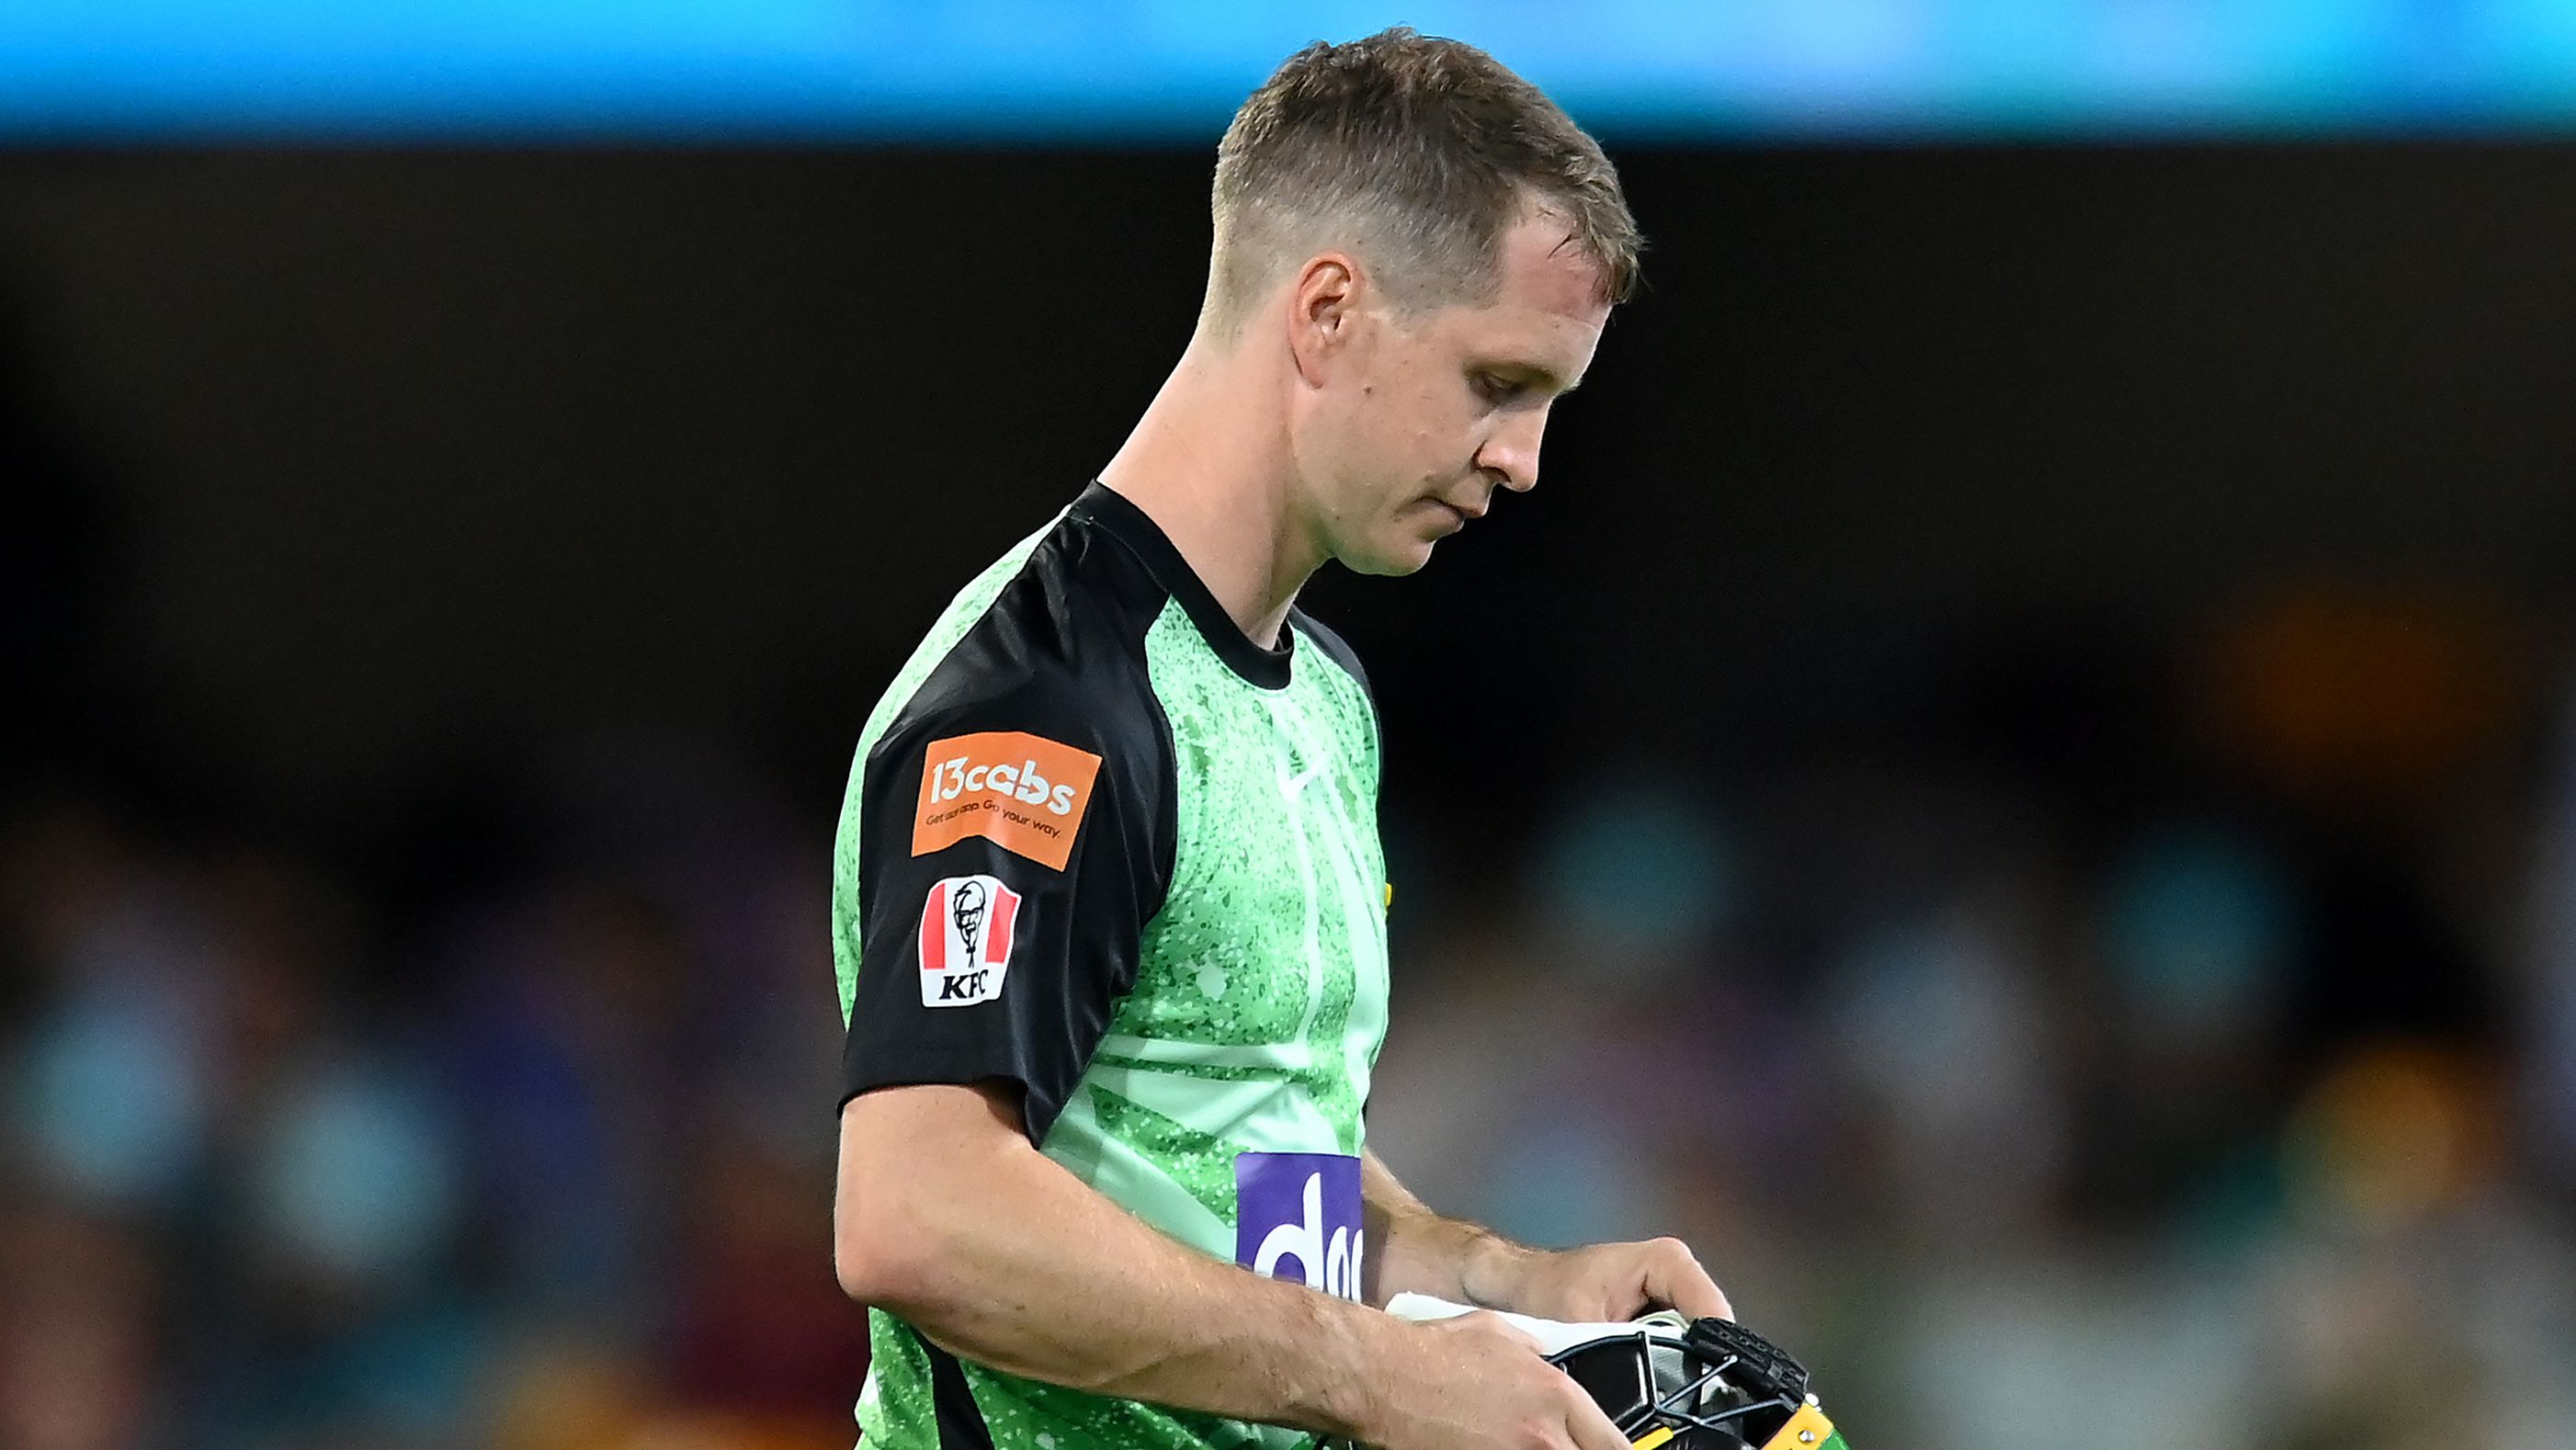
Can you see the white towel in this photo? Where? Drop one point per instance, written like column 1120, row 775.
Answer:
column 1553, row 1336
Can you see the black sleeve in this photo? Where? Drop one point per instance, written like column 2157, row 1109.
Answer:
column 1010, row 852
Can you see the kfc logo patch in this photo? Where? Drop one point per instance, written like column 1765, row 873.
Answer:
column 966, row 928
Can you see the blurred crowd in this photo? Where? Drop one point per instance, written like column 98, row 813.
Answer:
column 544, row 1166
column 2201, row 1078
column 2230, row 1105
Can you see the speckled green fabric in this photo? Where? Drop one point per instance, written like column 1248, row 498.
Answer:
column 1255, row 1020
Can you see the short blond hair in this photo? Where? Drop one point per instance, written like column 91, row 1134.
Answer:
column 1419, row 153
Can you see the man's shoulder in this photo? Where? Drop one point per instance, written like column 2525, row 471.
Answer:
column 1049, row 637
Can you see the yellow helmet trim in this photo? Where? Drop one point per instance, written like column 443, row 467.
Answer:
column 1806, row 1430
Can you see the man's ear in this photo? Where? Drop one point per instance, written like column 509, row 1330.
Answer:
column 1323, row 313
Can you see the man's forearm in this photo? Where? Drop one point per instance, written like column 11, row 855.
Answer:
column 1030, row 1271
column 1413, row 1250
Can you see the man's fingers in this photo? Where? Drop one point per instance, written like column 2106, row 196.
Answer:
column 1674, row 1277
column 1591, row 1428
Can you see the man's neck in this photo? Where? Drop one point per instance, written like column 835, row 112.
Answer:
column 1208, row 463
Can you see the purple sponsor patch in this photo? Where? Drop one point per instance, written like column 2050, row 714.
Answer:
column 1297, row 1217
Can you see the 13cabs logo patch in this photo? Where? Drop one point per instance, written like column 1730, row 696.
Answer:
column 1023, row 792
column 966, row 929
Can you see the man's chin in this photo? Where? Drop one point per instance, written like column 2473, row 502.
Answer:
column 1394, row 564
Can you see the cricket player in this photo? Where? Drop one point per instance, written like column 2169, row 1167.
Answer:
column 1109, row 905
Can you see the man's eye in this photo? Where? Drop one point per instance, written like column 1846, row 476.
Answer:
column 1496, row 390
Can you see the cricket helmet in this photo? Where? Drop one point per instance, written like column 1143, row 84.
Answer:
column 1707, row 1384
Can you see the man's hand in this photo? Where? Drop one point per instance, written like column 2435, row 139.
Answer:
column 1476, row 1383
column 1605, row 1282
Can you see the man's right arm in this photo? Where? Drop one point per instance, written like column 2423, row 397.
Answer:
column 947, row 1217
column 998, row 860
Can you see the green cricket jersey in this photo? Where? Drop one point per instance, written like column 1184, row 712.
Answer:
column 1100, row 845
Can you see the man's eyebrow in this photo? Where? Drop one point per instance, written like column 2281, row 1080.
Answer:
column 1539, row 376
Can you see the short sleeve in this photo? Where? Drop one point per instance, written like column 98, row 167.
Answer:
column 1008, row 854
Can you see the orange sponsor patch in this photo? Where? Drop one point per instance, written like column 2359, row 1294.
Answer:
column 1024, row 792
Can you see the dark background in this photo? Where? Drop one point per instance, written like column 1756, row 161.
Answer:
column 711, row 437
column 428, row 548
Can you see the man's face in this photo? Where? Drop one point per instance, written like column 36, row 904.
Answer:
column 1429, row 415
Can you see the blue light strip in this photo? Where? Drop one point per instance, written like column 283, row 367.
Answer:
column 76, row 71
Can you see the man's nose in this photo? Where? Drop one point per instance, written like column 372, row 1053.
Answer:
column 1510, row 454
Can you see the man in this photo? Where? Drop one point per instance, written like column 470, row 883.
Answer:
column 1109, row 903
